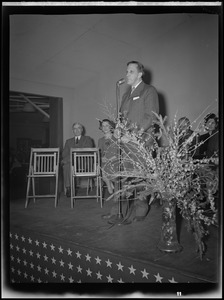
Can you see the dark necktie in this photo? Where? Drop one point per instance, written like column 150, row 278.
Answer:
column 76, row 140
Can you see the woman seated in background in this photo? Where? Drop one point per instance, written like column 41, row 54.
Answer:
column 108, row 151
column 210, row 146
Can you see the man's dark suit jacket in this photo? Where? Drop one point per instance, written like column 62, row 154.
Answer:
column 138, row 106
column 84, row 142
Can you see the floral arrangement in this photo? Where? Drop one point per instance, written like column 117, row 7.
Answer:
column 167, row 172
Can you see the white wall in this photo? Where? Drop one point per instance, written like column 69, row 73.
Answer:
column 183, row 65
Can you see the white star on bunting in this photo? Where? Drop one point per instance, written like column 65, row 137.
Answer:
column 62, row 277
column 54, row 274
column 172, row 280
column 109, row 263
column 132, row 270
column 39, row 268
column 46, row 271
column 69, row 252
column 61, row 263
column 89, row 272
column 53, row 261
column 109, row 279
column 16, row 236
column 23, row 238
column 44, row 245
column 70, row 266
column 29, row 240
column 88, row 258
column 71, row 280
column 120, row 266
column 38, row 255
column 45, row 257
column 158, row 278
column 18, row 260
column 120, row 280
column 99, row 275
column 79, row 269
column 98, row 260
column 78, row 254
column 145, row 274
column 60, row 249
column 37, row 243
column 31, row 265
column 25, row 263
column 52, row 247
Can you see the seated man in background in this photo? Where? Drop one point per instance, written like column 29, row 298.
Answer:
column 78, row 141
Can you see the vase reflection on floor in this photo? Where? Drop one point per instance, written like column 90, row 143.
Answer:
column 168, row 240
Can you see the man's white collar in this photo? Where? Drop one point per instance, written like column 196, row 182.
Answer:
column 134, row 87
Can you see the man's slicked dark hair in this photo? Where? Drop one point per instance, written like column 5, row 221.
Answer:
column 140, row 66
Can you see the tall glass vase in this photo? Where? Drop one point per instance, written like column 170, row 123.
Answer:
column 168, row 239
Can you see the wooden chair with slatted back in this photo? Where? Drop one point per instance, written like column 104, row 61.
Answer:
column 85, row 164
column 44, row 163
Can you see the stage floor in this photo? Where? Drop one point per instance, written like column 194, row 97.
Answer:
column 136, row 242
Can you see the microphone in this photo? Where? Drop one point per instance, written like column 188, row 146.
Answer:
column 121, row 81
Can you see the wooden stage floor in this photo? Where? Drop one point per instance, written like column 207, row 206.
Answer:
column 134, row 245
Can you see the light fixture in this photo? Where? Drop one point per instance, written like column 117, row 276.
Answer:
column 28, row 108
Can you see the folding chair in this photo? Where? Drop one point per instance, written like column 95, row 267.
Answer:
column 85, row 164
column 44, row 162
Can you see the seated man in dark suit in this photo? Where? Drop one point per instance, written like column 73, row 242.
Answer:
column 78, row 141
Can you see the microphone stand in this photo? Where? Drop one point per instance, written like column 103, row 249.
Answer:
column 119, row 218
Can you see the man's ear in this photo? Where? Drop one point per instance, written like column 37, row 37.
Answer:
column 140, row 75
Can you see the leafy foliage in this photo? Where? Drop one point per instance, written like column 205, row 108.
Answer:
column 167, row 171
